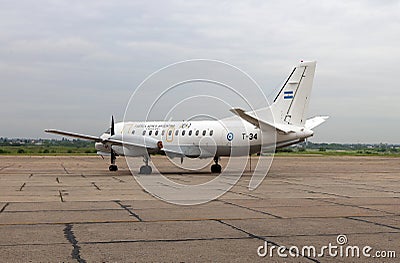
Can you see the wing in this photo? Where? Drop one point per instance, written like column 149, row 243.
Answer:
column 126, row 140
column 76, row 135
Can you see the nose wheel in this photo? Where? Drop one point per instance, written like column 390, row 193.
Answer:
column 113, row 168
column 216, row 168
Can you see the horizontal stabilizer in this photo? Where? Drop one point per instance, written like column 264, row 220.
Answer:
column 259, row 123
column 316, row 121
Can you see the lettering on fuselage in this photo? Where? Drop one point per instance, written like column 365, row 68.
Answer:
column 250, row 136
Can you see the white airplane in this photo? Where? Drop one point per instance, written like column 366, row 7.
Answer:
column 247, row 132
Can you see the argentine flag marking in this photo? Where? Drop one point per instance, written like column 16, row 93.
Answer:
column 288, row 94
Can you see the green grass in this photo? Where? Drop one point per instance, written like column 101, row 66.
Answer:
column 46, row 150
column 339, row 153
column 89, row 150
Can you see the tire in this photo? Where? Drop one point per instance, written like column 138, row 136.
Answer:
column 145, row 169
column 113, row 168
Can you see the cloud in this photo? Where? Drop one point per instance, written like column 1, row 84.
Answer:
column 82, row 59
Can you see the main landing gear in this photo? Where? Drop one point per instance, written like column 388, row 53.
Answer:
column 216, row 168
column 145, row 169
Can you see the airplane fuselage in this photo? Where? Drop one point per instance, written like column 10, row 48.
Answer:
column 203, row 139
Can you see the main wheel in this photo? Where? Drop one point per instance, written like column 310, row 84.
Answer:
column 216, row 168
column 145, row 169
column 113, row 168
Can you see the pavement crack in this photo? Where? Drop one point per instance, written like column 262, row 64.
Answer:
column 357, row 206
column 126, row 208
column 4, row 167
column 119, row 180
column 58, row 180
column 61, row 196
column 4, row 207
column 94, row 184
column 22, row 186
column 251, row 209
column 261, row 238
column 371, row 222
column 65, row 169
column 70, row 236
column 244, row 194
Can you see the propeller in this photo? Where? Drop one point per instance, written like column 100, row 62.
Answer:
column 112, row 132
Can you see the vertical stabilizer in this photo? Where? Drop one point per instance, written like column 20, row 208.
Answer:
column 291, row 103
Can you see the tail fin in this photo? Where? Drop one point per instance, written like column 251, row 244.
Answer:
column 291, row 104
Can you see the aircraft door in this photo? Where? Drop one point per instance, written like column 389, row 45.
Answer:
column 169, row 135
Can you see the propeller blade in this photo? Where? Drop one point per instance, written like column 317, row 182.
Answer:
column 112, row 132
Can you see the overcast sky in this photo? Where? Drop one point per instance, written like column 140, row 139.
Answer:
column 71, row 64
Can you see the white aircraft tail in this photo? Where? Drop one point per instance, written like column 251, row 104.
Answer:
column 291, row 103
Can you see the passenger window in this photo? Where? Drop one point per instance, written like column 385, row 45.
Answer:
column 183, row 132
column 190, row 133
column 156, row 133
column 170, row 133
column 150, row 132
column 176, row 132
column 144, row 132
column 204, row 132
column 211, row 132
column 133, row 132
column 197, row 133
